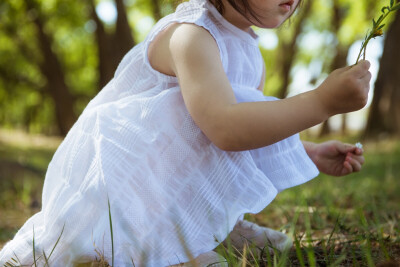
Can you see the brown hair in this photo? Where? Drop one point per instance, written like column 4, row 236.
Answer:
column 241, row 6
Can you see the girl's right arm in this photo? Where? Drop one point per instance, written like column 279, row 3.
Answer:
column 192, row 54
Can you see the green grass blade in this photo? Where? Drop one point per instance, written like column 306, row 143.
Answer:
column 46, row 259
column 33, row 247
column 111, row 229
column 333, row 230
column 268, row 255
column 339, row 261
column 55, row 245
column 311, row 256
column 299, row 253
column 18, row 261
column 354, row 256
column 368, row 253
column 309, row 249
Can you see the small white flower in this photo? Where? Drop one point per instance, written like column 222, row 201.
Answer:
column 359, row 145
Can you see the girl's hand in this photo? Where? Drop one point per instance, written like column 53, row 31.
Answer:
column 335, row 158
column 345, row 89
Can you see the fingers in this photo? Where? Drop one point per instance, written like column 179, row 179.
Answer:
column 354, row 158
column 355, row 150
column 359, row 151
column 347, row 168
column 353, row 163
column 349, row 148
column 345, row 148
column 361, row 69
column 364, row 63
column 344, row 69
column 367, row 76
column 365, row 81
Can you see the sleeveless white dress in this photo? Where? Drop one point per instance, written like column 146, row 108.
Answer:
column 172, row 192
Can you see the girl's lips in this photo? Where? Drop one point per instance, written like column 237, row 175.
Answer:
column 287, row 5
column 288, row 2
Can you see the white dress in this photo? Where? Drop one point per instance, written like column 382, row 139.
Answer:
column 170, row 189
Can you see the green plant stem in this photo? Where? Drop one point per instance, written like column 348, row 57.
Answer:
column 363, row 47
column 375, row 28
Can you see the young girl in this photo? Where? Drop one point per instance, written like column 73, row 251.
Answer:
column 182, row 144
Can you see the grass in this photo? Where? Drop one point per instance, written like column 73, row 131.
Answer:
column 111, row 231
column 348, row 221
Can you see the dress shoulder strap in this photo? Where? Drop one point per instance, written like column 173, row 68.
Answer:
column 196, row 12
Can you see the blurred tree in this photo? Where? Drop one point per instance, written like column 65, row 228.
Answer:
column 384, row 116
column 156, row 8
column 339, row 13
column 38, row 64
column 51, row 68
column 111, row 46
column 48, row 58
column 56, row 54
column 288, row 49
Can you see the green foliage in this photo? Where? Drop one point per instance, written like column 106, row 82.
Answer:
column 24, row 93
column 25, row 102
column 377, row 27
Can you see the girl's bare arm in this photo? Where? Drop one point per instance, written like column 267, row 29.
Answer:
column 192, row 55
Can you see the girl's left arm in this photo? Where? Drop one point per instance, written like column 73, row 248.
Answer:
column 335, row 158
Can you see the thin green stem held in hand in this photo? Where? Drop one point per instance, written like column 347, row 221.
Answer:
column 377, row 27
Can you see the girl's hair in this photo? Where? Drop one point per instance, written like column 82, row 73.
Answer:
column 241, row 6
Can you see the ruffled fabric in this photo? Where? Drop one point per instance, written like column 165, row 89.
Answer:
column 172, row 193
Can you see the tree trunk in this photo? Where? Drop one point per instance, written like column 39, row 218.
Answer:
column 52, row 70
column 325, row 129
column 339, row 60
column 106, row 67
column 156, row 9
column 344, row 128
column 123, row 37
column 384, row 115
column 111, row 46
column 288, row 50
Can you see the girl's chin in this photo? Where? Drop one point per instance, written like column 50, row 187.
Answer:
column 270, row 25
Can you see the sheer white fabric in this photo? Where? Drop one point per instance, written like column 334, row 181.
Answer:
column 170, row 189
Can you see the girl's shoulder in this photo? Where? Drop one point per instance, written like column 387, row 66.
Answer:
column 197, row 12
column 191, row 26
column 178, row 41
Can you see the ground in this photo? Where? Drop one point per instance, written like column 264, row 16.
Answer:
column 348, row 221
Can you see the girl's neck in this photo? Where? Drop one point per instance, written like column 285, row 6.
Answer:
column 235, row 18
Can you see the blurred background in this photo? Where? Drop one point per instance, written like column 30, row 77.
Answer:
column 56, row 55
